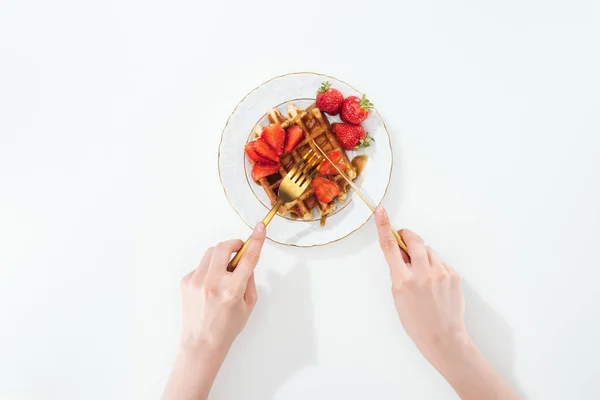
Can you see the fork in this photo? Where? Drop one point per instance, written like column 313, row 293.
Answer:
column 291, row 187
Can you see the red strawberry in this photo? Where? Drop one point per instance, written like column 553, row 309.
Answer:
column 254, row 156
column 295, row 134
column 325, row 190
column 275, row 136
column 328, row 169
column 329, row 100
column 262, row 148
column 260, row 171
column 355, row 110
column 351, row 137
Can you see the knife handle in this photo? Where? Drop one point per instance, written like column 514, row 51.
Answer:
column 399, row 240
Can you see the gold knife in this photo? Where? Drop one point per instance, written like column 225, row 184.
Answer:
column 353, row 186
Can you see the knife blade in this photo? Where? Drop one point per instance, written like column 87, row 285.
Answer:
column 358, row 192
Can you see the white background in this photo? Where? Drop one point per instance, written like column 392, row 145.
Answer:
column 110, row 118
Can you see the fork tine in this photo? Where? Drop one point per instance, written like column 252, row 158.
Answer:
column 302, row 170
column 300, row 164
column 312, row 175
column 308, row 154
column 295, row 167
column 311, row 171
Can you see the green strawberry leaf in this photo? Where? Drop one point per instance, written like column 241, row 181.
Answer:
column 366, row 142
column 324, row 86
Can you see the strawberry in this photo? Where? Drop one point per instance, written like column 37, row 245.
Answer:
column 275, row 136
column 250, row 149
column 351, row 137
column 295, row 134
column 262, row 148
column 355, row 110
column 325, row 190
column 329, row 100
column 328, row 169
column 260, row 171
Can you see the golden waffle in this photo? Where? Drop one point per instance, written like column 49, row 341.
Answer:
column 317, row 128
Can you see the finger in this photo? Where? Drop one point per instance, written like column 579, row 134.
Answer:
column 450, row 270
column 405, row 256
column 186, row 278
column 199, row 273
column 250, row 259
column 437, row 266
column 416, row 251
column 251, row 295
column 388, row 244
column 222, row 255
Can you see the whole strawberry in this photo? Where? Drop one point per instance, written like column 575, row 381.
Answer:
column 351, row 137
column 355, row 110
column 329, row 100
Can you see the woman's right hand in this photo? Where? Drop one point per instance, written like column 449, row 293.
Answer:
column 427, row 292
column 430, row 303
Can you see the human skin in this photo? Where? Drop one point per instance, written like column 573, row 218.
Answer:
column 429, row 300
column 427, row 294
column 216, row 306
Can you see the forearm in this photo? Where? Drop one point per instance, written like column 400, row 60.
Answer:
column 469, row 373
column 194, row 372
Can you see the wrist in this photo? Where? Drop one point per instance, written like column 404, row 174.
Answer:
column 450, row 350
column 457, row 357
column 204, row 340
column 203, row 349
column 468, row 372
column 196, row 367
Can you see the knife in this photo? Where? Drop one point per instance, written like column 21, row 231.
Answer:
column 363, row 198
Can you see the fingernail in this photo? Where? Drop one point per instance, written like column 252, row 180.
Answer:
column 379, row 210
column 260, row 227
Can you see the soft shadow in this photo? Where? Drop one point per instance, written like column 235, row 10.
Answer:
column 492, row 335
column 277, row 342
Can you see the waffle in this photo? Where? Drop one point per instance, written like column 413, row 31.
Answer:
column 316, row 127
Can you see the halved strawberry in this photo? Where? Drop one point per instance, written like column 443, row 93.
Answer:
column 295, row 134
column 275, row 136
column 262, row 148
column 327, row 168
column 325, row 190
column 355, row 110
column 252, row 154
column 260, row 171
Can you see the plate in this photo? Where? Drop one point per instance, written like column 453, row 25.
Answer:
column 249, row 200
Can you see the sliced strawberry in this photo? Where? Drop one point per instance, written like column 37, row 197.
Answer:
column 263, row 149
column 328, row 169
column 275, row 136
column 260, row 171
column 325, row 190
column 252, row 154
column 295, row 134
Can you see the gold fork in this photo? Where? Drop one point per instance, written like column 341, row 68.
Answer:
column 291, row 187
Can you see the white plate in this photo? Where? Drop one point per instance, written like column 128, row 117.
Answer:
column 249, row 200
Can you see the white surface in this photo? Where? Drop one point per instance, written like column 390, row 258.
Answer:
column 251, row 201
column 110, row 116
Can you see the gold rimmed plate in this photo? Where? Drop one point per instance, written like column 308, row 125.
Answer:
column 249, row 200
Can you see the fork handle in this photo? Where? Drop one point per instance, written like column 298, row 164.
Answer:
column 236, row 259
